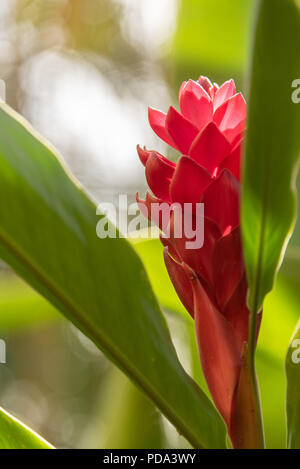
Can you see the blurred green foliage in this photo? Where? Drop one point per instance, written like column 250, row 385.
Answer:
column 129, row 418
column 211, row 38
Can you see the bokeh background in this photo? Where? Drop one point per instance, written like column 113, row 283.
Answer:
column 83, row 73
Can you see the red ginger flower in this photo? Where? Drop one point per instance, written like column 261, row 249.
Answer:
column 210, row 281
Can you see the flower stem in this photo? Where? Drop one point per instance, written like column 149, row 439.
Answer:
column 256, row 394
column 246, row 430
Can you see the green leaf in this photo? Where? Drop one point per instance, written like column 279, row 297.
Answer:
column 48, row 235
column 272, row 147
column 15, row 435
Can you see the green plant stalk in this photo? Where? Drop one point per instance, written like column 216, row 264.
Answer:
column 246, row 430
column 255, row 429
column 252, row 348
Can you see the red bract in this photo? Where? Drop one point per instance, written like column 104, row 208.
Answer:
column 210, row 281
column 209, row 127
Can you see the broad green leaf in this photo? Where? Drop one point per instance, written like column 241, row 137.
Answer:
column 272, row 147
column 48, row 235
column 15, row 435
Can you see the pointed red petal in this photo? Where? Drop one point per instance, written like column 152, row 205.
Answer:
column 157, row 121
column 213, row 89
column 233, row 162
column 195, row 104
column 182, row 131
column 182, row 86
column 224, row 92
column 221, row 201
column 238, row 139
column 159, row 172
column 210, row 147
column 145, row 209
column 233, row 135
column 169, row 243
column 205, row 83
column 152, row 215
column 228, row 266
column 180, row 282
column 144, row 155
column 231, row 115
column 189, row 181
column 237, row 312
column 199, row 259
column 218, row 350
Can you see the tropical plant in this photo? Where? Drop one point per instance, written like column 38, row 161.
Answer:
column 113, row 291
